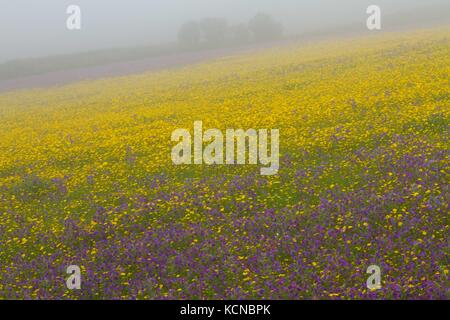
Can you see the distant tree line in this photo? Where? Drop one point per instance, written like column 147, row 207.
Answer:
column 193, row 35
column 216, row 32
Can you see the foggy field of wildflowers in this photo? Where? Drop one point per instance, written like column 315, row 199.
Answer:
column 86, row 178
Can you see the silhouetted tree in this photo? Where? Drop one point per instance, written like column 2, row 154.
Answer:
column 214, row 30
column 190, row 34
column 264, row 27
column 240, row 34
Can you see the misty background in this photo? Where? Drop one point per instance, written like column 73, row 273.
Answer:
column 31, row 28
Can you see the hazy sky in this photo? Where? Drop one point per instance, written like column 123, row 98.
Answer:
column 38, row 27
